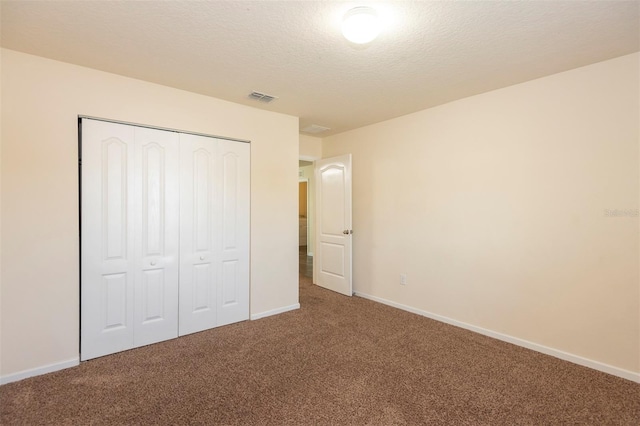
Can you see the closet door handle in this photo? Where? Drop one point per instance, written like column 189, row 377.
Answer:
column 153, row 263
column 201, row 257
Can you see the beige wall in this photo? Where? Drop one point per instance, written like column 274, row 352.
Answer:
column 310, row 148
column 41, row 101
column 494, row 207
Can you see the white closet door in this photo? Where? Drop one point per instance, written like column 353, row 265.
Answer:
column 130, row 240
column 200, row 221
column 157, row 233
column 108, row 226
column 214, row 233
column 165, row 235
column 233, row 291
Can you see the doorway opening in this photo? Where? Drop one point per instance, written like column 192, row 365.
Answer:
column 305, row 218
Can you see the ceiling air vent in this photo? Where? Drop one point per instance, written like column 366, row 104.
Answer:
column 314, row 128
column 262, row 97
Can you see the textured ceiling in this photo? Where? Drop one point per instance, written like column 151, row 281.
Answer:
column 430, row 52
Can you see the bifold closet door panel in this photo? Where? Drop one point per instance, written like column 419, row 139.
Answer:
column 200, row 221
column 108, row 252
column 233, row 293
column 214, row 232
column 130, row 240
column 157, row 272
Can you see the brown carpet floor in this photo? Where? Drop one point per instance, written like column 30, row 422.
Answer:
column 337, row 360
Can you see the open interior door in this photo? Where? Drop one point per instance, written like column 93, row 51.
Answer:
column 333, row 224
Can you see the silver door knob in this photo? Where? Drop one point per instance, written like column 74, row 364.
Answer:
column 201, row 257
column 153, row 263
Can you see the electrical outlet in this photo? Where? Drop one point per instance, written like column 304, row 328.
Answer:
column 403, row 279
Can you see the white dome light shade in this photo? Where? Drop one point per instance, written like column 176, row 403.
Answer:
column 361, row 25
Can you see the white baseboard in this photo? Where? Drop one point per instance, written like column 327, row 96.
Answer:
column 39, row 371
column 585, row 362
column 275, row 311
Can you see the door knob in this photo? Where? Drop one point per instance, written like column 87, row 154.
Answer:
column 153, row 263
column 201, row 257
column 345, row 232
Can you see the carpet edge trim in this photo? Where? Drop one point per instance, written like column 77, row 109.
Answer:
column 275, row 311
column 566, row 356
column 38, row 371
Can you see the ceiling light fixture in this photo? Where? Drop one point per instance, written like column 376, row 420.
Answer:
column 361, row 25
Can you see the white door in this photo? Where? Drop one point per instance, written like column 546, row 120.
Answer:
column 129, row 253
column 107, row 226
column 233, row 291
column 214, row 229
column 157, row 233
column 333, row 224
